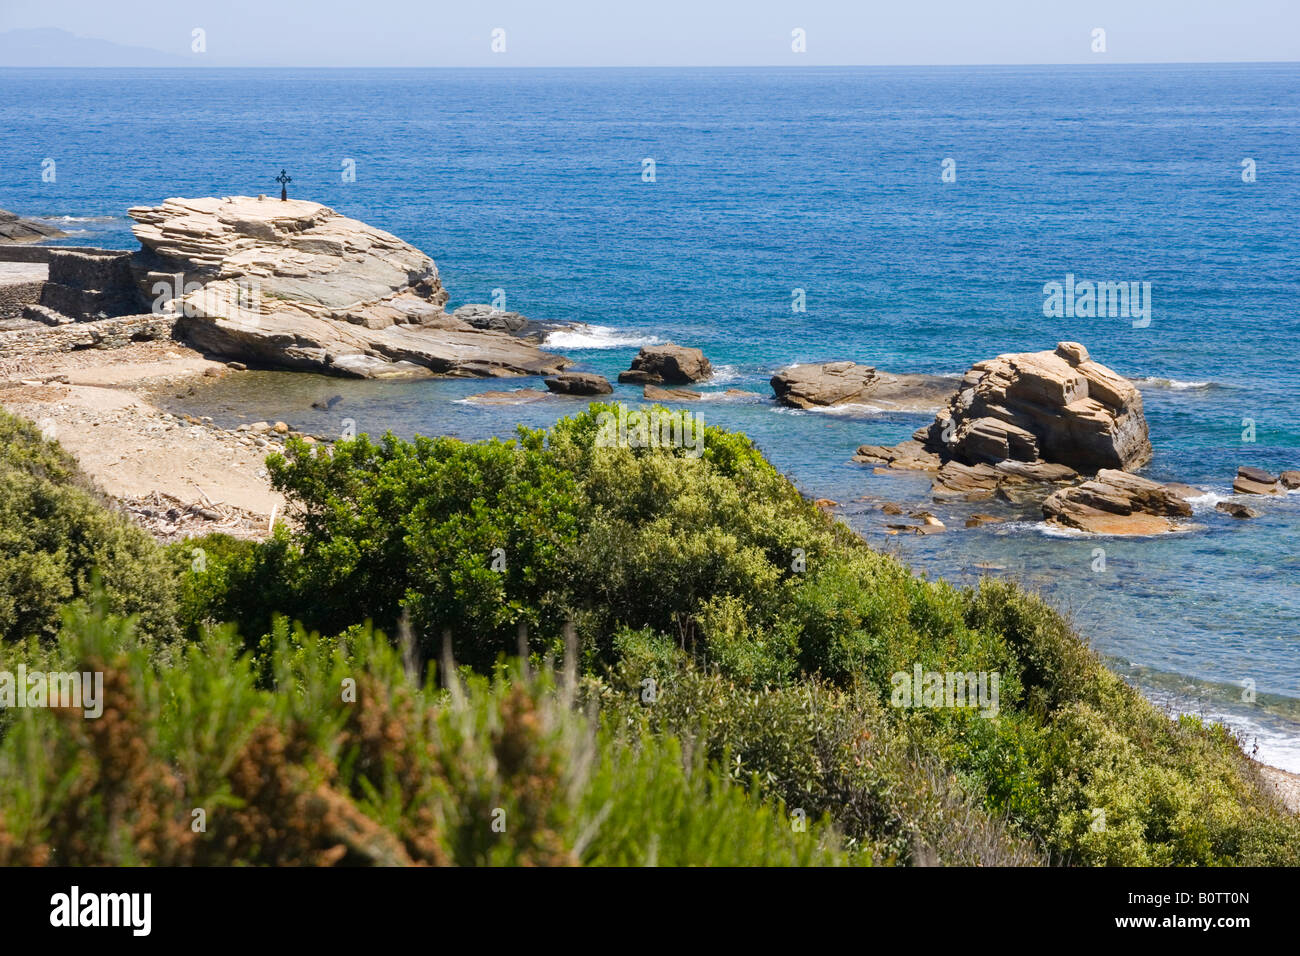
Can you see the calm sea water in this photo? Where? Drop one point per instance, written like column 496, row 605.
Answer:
column 826, row 180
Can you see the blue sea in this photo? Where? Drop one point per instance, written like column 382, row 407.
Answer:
column 768, row 181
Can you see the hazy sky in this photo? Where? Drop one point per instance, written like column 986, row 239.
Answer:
column 678, row 32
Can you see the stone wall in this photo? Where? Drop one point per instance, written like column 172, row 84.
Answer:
column 104, row 334
column 84, row 283
column 10, row 253
column 99, row 270
column 15, row 295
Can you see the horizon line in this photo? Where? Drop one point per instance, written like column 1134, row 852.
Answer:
column 676, row 66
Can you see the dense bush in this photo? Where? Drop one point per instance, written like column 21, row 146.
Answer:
column 194, row 764
column 57, row 536
column 739, row 652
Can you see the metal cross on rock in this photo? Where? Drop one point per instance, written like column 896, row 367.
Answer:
column 284, row 179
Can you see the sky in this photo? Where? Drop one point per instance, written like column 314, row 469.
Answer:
column 411, row 33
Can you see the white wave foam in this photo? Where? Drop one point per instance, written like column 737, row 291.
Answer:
column 850, row 409
column 1172, row 383
column 1207, row 501
column 582, row 336
column 722, row 374
column 76, row 218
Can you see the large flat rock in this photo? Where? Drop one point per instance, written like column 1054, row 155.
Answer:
column 293, row 284
column 849, row 383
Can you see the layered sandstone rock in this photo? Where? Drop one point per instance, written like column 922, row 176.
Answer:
column 848, row 383
column 296, row 285
column 1117, row 503
column 667, row 364
column 1058, row 407
column 1256, row 481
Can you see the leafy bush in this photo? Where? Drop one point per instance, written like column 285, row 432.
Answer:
column 57, row 537
column 739, row 651
column 195, row 765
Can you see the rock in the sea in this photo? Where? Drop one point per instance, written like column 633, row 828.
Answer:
column 1116, row 502
column 848, row 383
column 910, row 455
column 1255, row 481
column 14, row 228
column 834, row 383
column 1059, row 407
column 1290, row 479
column 653, row 393
column 579, row 383
column 518, row 396
column 1236, row 509
column 667, row 364
column 296, row 285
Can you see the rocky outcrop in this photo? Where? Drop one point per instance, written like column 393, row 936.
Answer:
column 14, row 228
column 487, row 317
column 848, row 383
column 1117, row 503
column 296, row 285
column 1058, row 407
column 1236, row 509
column 667, row 364
column 1256, row 481
column 1290, row 480
column 579, row 383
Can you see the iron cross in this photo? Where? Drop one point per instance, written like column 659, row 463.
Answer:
column 284, row 179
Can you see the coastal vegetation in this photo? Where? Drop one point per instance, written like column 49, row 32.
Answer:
column 549, row 651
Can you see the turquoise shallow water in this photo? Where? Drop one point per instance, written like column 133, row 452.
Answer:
column 828, row 181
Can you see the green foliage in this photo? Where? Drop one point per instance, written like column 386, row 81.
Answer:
column 57, row 537
column 740, row 652
column 348, row 760
column 827, row 752
column 462, row 537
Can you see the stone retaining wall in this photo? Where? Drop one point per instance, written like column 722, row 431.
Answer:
column 16, row 253
column 15, row 295
column 103, row 334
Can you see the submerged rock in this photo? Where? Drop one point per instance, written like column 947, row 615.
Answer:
column 518, row 396
column 653, row 393
column 296, row 285
column 1236, row 509
column 667, row 364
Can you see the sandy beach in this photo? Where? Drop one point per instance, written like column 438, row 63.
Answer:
column 95, row 403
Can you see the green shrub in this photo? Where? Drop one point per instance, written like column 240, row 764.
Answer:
column 57, row 537
column 348, row 759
